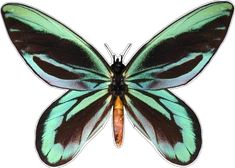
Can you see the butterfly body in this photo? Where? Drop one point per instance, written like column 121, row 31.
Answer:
column 171, row 58
column 118, row 89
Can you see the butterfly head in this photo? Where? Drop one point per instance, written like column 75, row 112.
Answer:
column 117, row 59
column 118, row 66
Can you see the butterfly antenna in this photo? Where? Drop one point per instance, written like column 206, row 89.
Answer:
column 112, row 54
column 125, row 51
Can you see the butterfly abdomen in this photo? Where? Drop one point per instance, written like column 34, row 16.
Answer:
column 118, row 121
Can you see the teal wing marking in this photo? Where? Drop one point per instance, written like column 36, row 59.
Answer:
column 167, row 122
column 55, row 53
column 69, row 123
column 177, row 54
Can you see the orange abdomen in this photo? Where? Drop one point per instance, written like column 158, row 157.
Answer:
column 118, row 121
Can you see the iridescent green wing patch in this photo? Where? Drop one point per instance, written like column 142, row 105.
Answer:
column 55, row 53
column 167, row 122
column 177, row 54
column 69, row 123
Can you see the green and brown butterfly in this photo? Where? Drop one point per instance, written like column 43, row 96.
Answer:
column 64, row 59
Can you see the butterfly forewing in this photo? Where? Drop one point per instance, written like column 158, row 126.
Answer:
column 167, row 122
column 55, row 53
column 69, row 123
column 177, row 54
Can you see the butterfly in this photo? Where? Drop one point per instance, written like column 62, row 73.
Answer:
column 64, row 59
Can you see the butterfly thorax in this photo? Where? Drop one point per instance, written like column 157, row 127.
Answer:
column 118, row 86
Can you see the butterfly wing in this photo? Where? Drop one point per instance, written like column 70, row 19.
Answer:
column 177, row 54
column 167, row 122
column 55, row 53
column 69, row 123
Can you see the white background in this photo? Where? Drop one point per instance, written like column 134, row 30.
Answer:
column 24, row 96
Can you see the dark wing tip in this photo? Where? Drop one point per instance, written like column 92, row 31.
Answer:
column 6, row 6
column 227, row 6
column 9, row 7
column 3, row 9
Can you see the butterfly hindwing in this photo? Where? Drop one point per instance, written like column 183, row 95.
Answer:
column 177, row 54
column 69, row 123
column 167, row 122
column 55, row 53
